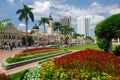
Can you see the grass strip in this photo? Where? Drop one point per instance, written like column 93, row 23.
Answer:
column 18, row 75
column 17, row 59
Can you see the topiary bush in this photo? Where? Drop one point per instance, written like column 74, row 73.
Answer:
column 117, row 50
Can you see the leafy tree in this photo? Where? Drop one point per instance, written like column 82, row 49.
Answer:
column 29, row 40
column 106, row 30
column 88, row 38
column 26, row 13
column 2, row 26
column 75, row 35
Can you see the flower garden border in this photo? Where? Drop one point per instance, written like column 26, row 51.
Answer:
column 8, row 66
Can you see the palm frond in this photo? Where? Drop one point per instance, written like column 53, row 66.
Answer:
column 19, row 11
column 31, row 16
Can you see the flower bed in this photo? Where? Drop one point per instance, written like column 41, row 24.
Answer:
column 3, row 76
column 82, row 65
column 35, row 51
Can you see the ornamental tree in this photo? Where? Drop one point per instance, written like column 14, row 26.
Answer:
column 106, row 30
column 2, row 26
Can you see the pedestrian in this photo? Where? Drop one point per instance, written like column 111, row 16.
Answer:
column 11, row 47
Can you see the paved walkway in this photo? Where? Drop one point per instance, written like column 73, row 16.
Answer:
column 6, row 53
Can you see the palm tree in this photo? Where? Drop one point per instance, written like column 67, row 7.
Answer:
column 57, row 27
column 43, row 21
column 75, row 35
column 26, row 13
column 88, row 38
column 82, row 36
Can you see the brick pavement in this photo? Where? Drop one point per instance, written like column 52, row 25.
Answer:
column 4, row 54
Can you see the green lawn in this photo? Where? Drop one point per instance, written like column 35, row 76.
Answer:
column 83, row 47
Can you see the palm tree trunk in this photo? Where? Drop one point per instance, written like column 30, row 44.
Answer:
column 26, row 33
column 44, row 35
column 57, row 36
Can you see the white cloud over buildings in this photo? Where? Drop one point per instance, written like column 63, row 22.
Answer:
column 10, row 1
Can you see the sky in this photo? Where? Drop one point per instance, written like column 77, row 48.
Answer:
column 98, row 9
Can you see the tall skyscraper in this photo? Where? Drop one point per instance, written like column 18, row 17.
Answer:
column 66, row 20
column 83, row 25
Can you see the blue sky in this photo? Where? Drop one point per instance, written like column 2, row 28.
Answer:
column 98, row 9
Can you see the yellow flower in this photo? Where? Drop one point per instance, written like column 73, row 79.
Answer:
column 98, row 77
column 109, row 77
column 86, row 76
column 94, row 78
column 51, row 68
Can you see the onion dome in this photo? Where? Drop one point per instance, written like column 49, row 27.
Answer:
column 35, row 27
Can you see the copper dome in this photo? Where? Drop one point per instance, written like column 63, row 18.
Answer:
column 35, row 27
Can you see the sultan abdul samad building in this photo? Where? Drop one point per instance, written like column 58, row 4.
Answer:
column 11, row 36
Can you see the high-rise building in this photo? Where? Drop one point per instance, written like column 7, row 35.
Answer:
column 83, row 25
column 66, row 20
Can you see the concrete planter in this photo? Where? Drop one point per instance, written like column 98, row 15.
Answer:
column 8, row 66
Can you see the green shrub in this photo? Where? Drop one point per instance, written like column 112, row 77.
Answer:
column 18, row 75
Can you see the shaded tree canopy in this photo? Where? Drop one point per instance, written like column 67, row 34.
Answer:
column 106, row 30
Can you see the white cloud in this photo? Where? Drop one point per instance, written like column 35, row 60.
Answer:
column 96, row 8
column 94, row 4
column 96, row 18
column 29, row 30
column 115, row 11
column 21, row 26
column 41, row 8
column 10, row 1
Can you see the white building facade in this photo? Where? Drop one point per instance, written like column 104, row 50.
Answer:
column 11, row 36
column 83, row 25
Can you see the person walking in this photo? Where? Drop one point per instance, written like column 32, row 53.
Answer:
column 11, row 47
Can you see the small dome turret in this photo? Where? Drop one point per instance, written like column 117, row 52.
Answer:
column 35, row 27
